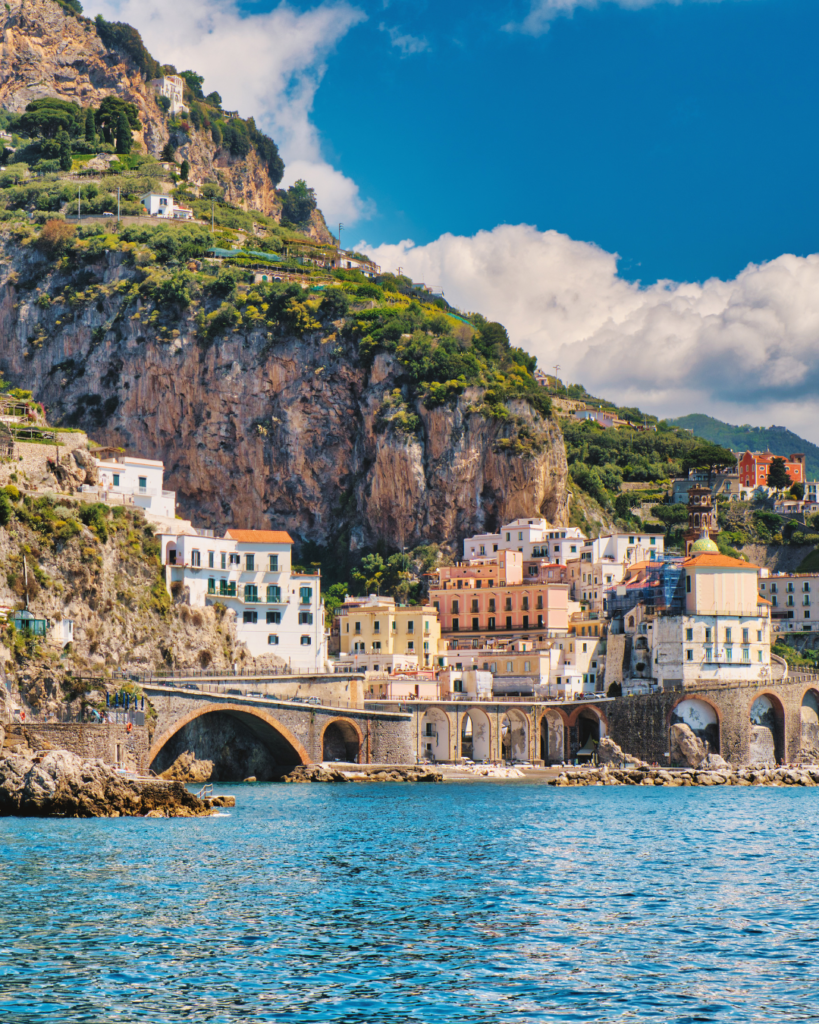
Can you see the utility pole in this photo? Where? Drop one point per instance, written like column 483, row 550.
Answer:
column 557, row 369
column 79, row 190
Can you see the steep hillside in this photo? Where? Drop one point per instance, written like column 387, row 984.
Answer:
column 48, row 52
column 350, row 412
column 779, row 440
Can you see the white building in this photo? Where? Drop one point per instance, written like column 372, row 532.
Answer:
column 173, row 87
column 624, row 548
column 159, row 204
column 278, row 612
column 140, row 481
column 533, row 538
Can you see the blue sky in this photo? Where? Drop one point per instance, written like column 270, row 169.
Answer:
column 630, row 186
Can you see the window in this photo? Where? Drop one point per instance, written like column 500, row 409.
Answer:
column 745, row 636
column 358, row 628
column 746, row 654
column 455, row 625
column 653, row 540
column 707, row 634
column 251, row 617
column 475, row 605
column 509, row 604
column 250, row 563
column 508, row 621
column 410, row 645
column 584, row 648
column 455, row 607
column 273, row 563
column 508, row 536
column 475, row 626
column 426, row 645
column 116, row 479
column 234, row 559
column 305, row 618
column 211, row 585
column 305, row 595
column 210, row 559
column 272, row 639
column 275, row 618
column 251, row 593
column 759, row 655
column 709, row 653
column 508, row 666
column 491, row 604
column 520, row 534
column 727, row 634
column 411, row 626
column 274, row 594
column 143, row 483
column 539, row 621
column 689, row 634
column 759, row 636
column 306, row 641
column 574, row 549
column 687, row 584
column 491, row 622
column 525, row 621
column 729, row 654
column 376, row 646
column 525, row 604
column 196, row 559
column 689, row 654
column 376, row 624
column 223, row 560
column 773, row 588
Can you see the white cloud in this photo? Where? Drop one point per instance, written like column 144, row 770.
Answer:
column 268, row 65
column 406, row 43
column 544, row 12
column 744, row 350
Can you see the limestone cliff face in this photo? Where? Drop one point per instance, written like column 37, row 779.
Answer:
column 267, row 430
column 45, row 52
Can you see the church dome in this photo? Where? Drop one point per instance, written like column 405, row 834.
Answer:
column 704, row 546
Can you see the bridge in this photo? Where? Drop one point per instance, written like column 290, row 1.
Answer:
column 242, row 735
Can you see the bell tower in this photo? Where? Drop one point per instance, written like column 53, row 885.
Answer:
column 702, row 516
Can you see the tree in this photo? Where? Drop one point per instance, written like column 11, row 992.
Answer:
column 798, row 491
column 670, row 515
column 622, row 506
column 334, row 305
column 370, row 573
column 55, row 236
column 492, row 341
column 705, row 455
column 214, row 99
column 333, row 599
column 184, row 170
column 108, row 116
column 125, row 140
column 778, row 476
column 90, row 127
column 65, row 151
column 195, row 83
column 168, row 152
column 46, row 118
column 298, row 203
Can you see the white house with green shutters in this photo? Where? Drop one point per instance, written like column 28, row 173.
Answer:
column 278, row 612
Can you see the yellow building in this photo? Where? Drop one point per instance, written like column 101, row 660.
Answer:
column 381, row 636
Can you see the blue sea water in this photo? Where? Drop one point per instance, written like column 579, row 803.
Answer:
column 391, row 904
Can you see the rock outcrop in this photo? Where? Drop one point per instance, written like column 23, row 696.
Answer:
column 705, row 776
column 362, row 773
column 60, row 784
column 686, row 747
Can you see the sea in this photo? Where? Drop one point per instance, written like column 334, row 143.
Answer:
column 480, row 902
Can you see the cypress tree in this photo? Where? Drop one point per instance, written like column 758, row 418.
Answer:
column 124, row 138
column 90, row 127
column 184, row 170
column 65, row 150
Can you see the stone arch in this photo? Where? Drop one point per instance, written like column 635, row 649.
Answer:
column 553, row 726
column 587, row 726
column 170, row 546
column 766, row 739
column 475, row 735
column 435, row 734
column 514, row 736
column 694, row 729
column 268, row 744
column 809, row 725
column 341, row 740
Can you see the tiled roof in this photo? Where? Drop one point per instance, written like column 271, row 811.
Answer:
column 260, row 536
column 711, row 561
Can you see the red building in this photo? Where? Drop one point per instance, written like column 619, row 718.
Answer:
column 754, row 467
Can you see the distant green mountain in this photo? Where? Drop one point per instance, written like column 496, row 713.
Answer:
column 779, row 440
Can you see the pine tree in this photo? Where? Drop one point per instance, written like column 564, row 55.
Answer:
column 168, row 152
column 65, row 150
column 90, row 127
column 124, row 138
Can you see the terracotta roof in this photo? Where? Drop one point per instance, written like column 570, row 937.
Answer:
column 708, row 561
column 260, row 536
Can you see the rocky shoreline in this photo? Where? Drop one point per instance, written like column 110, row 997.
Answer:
column 362, row 773
column 727, row 776
column 60, row 784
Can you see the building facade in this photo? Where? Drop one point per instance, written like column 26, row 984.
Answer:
column 278, row 612
column 173, row 87
column 380, row 636
column 794, row 600
column 140, row 480
column 755, row 466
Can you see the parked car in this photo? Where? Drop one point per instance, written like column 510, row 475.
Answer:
column 189, row 686
column 237, row 693
column 255, row 693
column 107, row 214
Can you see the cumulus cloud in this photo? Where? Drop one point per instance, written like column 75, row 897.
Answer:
column 268, row 65
column 744, row 350
column 406, row 43
column 544, row 12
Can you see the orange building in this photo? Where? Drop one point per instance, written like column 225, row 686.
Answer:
column 754, row 467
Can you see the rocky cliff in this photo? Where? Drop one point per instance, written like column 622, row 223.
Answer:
column 265, row 428
column 46, row 52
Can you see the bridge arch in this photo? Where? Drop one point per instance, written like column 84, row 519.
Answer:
column 514, row 735
column 697, row 715
column 270, row 743
column 435, row 734
column 809, row 724
column 341, row 740
column 553, row 726
column 475, row 735
column 766, row 740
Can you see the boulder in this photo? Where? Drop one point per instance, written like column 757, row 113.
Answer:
column 61, row 784
column 686, row 747
column 712, row 762
column 186, row 768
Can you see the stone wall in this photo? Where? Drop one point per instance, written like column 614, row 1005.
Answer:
column 110, row 742
column 641, row 724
